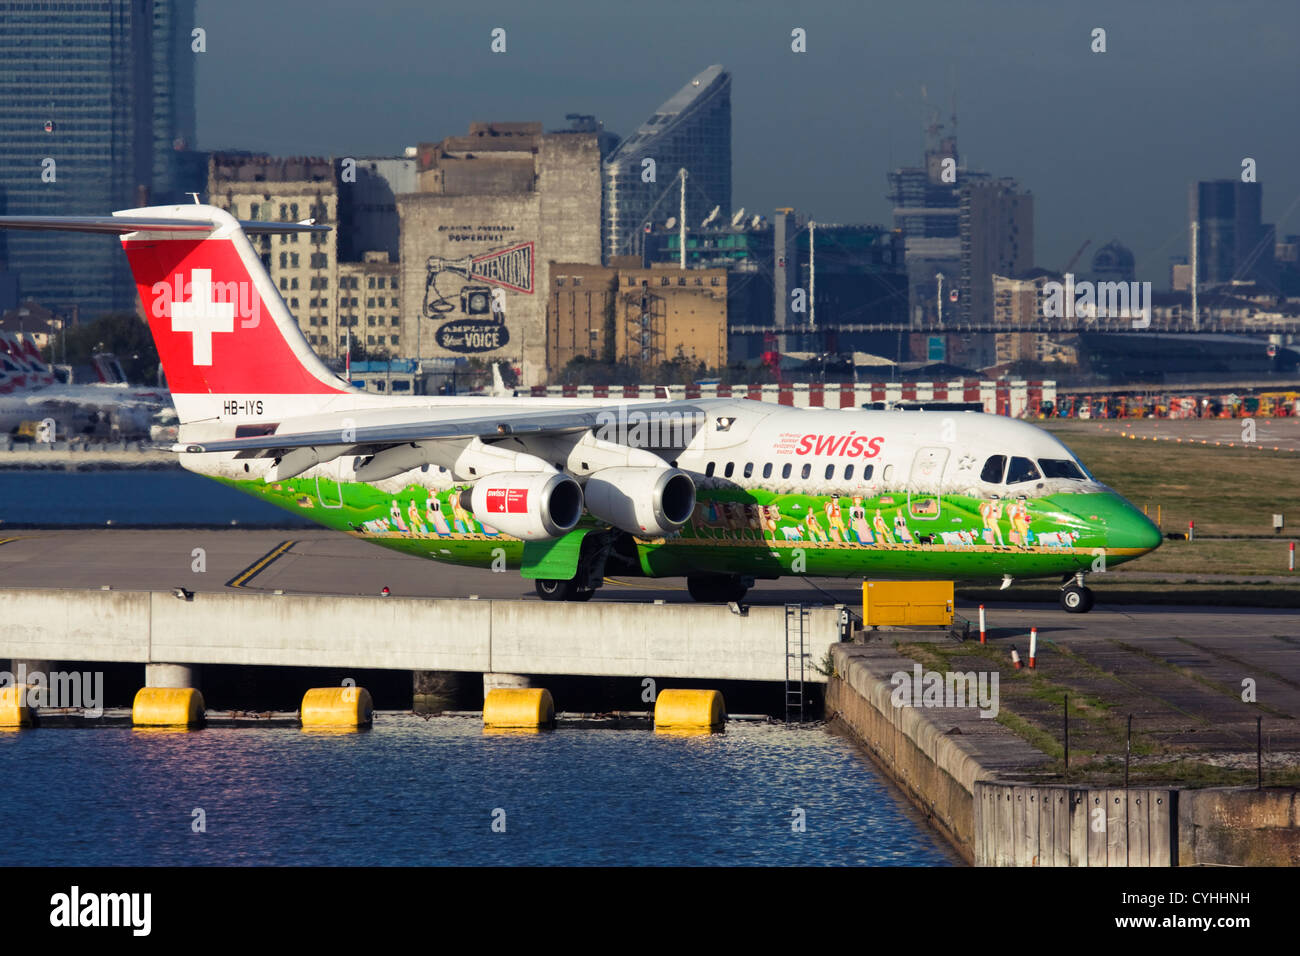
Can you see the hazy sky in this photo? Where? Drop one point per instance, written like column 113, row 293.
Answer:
column 1107, row 142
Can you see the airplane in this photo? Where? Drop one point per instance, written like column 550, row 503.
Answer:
column 569, row 491
column 30, row 391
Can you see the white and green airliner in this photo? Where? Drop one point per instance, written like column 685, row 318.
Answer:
column 570, row 491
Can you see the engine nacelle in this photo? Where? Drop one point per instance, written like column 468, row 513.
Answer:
column 531, row 505
column 647, row 502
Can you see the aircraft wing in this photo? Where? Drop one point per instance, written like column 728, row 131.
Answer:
column 121, row 225
column 274, row 439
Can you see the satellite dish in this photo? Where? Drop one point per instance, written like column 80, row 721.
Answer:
column 711, row 216
column 738, row 218
column 672, row 221
column 753, row 224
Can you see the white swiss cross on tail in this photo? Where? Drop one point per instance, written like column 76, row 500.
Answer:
column 202, row 316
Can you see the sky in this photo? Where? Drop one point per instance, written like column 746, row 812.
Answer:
column 1107, row 142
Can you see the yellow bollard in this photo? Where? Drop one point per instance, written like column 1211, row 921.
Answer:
column 167, row 707
column 14, row 711
column 518, row 708
column 337, row 707
column 697, row 710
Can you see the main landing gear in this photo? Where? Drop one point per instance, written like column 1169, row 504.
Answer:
column 552, row 590
column 1075, row 597
column 718, row 588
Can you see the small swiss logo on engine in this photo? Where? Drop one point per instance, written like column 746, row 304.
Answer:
column 507, row 501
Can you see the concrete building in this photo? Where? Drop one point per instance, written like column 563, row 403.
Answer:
column 98, row 114
column 369, row 304
column 368, row 191
column 997, row 238
column 691, row 131
column 492, row 210
column 1232, row 242
column 304, row 267
column 1018, row 301
column 1113, row 263
column 640, row 316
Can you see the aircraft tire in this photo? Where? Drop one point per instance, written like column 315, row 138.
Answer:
column 715, row 589
column 1076, row 600
column 549, row 589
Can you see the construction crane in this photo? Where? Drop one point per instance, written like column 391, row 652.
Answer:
column 1075, row 258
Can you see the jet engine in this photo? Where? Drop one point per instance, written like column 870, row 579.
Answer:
column 530, row 505
column 647, row 502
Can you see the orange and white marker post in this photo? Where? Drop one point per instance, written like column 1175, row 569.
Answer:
column 982, row 606
column 1191, row 530
column 1290, row 566
column 1033, row 646
column 1015, row 658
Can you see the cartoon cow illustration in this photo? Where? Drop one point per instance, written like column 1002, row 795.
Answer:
column 957, row 539
column 771, row 519
column 1058, row 539
column 792, row 533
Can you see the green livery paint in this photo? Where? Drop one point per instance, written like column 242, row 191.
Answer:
column 752, row 532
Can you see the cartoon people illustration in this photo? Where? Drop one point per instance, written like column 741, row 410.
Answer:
column 395, row 518
column 771, row 518
column 815, row 532
column 1018, row 515
column 901, row 530
column 882, row 529
column 417, row 526
column 434, row 517
column 991, row 512
column 858, row 519
column 835, row 518
column 461, row 519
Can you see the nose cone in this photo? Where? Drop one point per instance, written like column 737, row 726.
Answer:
column 1126, row 529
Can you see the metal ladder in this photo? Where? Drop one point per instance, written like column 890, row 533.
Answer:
column 796, row 654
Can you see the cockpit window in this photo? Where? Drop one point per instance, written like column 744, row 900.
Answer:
column 1021, row 469
column 993, row 469
column 1061, row 468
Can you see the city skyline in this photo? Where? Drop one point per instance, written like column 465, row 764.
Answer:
column 1142, row 120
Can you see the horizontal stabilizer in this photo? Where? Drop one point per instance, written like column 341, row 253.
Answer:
column 121, row 225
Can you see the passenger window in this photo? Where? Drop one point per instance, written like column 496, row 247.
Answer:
column 708, row 469
column 994, row 468
column 848, row 472
column 767, row 470
column 807, row 470
column 866, row 472
column 727, row 472
column 1060, row 468
column 749, row 469
column 1021, row 469
column 785, row 470
column 830, row 472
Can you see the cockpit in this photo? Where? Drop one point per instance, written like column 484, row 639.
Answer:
column 1012, row 470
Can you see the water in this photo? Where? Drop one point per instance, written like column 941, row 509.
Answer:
column 52, row 498
column 415, row 792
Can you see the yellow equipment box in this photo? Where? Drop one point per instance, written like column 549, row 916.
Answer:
column 907, row 603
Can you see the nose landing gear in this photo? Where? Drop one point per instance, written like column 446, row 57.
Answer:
column 1076, row 598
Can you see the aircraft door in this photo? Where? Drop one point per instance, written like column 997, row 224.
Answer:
column 925, row 482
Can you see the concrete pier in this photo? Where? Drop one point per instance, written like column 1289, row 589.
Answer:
column 983, row 787
column 171, row 675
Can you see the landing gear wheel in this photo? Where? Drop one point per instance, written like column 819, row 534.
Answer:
column 549, row 589
column 1076, row 599
column 715, row 589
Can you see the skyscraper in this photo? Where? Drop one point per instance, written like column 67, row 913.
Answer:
column 97, row 98
column 1232, row 243
column 691, row 131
